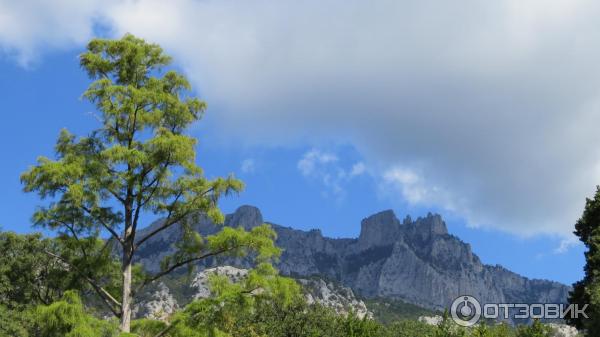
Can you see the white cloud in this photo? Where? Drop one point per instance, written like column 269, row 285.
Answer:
column 313, row 159
column 495, row 103
column 248, row 166
column 408, row 183
column 566, row 244
column 28, row 26
column 415, row 190
column 325, row 168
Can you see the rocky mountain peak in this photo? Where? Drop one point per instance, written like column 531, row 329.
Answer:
column 245, row 216
column 380, row 229
column 433, row 223
column 425, row 229
column 384, row 229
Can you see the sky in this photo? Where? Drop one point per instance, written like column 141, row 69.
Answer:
column 331, row 110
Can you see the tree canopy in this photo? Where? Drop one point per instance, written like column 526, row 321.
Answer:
column 140, row 160
column 587, row 291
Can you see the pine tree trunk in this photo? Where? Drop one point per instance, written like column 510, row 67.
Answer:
column 126, row 298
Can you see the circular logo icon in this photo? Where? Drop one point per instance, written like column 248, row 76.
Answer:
column 465, row 310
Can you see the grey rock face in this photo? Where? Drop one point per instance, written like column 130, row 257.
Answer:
column 414, row 260
column 563, row 330
column 431, row 320
column 339, row 298
column 201, row 281
column 159, row 306
column 381, row 229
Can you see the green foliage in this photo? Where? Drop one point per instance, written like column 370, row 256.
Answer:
column 233, row 303
column 389, row 311
column 236, row 242
column 502, row 330
column 15, row 322
column 537, row 329
column 147, row 327
column 67, row 318
column 263, row 304
column 447, row 328
column 298, row 319
column 411, row 328
column 353, row 326
column 481, row 330
column 496, row 330
column 138, row 161
column 267, row 305
column 28, row 275
column 587, row 291
column 140, row 157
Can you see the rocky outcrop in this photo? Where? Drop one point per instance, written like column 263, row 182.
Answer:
column 201, row 282
column 416, row 261
column 563, row 330
column 159, row 306
column 431, row 320
column 339, row 298
column 159, row 302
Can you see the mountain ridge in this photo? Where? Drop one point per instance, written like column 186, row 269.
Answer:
column 416, row 261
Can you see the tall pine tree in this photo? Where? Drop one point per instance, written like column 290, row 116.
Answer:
column 138, row 161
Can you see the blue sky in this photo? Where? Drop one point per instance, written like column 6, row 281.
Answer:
column 485, row 112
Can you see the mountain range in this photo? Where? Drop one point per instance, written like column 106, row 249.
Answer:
column 414, row 261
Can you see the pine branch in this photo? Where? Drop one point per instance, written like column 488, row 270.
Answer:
column 172, row 221
column 172, row 325
column 183, row 263
column 106, row 297
column 114, row 234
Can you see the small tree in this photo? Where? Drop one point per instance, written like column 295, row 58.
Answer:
column 139, row 160
column 587, row 291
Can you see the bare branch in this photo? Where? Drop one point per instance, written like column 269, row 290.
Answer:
column 151, row 185
column 104, row 224
column 116, row 195
column 168, row 222
column 76, row 237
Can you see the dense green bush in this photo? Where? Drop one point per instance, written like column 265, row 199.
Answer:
column 13, row 323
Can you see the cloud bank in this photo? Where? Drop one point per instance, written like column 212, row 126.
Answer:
column 489, row 109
